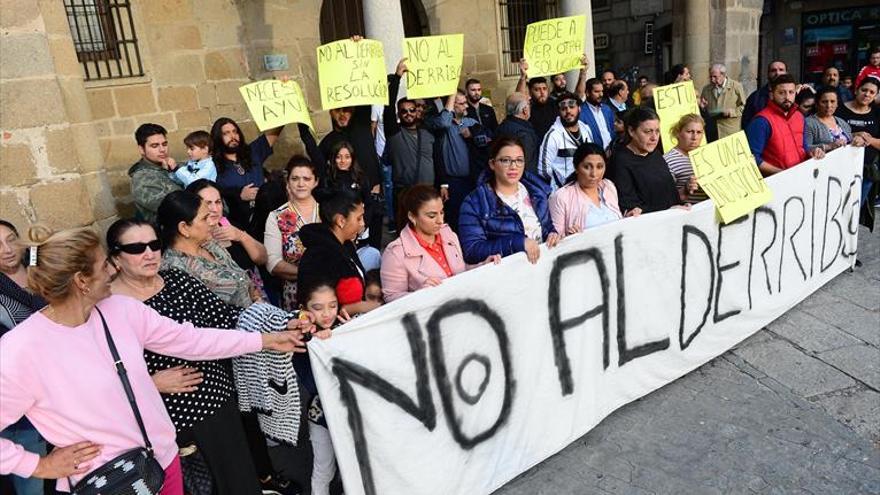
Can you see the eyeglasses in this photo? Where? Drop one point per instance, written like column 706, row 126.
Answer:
column 409, row 110
column 511, row 162
column 139, row 247
column 567, row 104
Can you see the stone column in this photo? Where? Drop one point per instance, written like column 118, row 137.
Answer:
column 383, row 21
column 696, row 37
column 581, row 7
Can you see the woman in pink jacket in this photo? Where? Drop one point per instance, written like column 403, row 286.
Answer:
column 588, row 199
column 56, row 367
column 427, row 251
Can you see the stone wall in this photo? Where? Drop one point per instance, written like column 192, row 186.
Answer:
column 50, row 170
column 67, row 144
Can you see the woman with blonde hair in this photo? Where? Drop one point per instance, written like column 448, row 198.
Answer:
column 76, row 369
column 688, row 133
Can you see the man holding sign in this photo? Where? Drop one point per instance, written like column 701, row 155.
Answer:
column 555, row 45
column 776, row 134
column 352, row 123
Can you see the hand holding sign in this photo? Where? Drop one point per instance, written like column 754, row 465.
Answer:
column 273, row 103
column 727, row 171
column 673, row 102
column 434, row 64
column 352, row 72
column 555, row 45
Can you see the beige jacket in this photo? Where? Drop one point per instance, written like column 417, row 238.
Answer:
column 733, row 98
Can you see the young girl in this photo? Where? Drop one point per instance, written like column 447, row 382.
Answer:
column 320, row 300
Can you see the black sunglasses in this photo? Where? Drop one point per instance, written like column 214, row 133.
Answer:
column 139, row 247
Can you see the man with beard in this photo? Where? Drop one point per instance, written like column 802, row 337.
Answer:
column 240, row 166
column 598, row 116
column 560, row 86
column 758, row 99
column 831, row 79
column 460, row 168
column 608, row 78
column 150, row 180
column 543, row 106
column 410, row 147
column 484, row 115
column 556, row 155
column 774, row 129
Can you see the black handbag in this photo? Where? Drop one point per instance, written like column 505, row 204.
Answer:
column 197, row 477
column 135, row 472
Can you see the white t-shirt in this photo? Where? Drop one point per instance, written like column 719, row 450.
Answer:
column 376, row 116
column 522, row 205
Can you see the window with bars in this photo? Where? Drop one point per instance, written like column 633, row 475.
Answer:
column 104, row 38
column 515, row 15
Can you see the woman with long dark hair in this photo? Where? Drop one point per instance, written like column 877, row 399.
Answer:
column 427, row 251
column 643, row 180
column 587, row 199
column 330, row 251
column 508, row 212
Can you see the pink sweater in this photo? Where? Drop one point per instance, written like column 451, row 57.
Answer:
column 63, row 379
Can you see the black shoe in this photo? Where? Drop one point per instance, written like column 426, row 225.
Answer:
column 277, row 484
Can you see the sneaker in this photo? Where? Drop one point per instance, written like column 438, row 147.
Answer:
column 279, row 485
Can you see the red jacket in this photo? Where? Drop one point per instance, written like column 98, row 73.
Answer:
column 785, row 148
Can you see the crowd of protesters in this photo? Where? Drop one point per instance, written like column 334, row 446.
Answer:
column 219, row 242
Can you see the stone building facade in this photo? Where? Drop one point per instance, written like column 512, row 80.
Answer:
column 67, row 139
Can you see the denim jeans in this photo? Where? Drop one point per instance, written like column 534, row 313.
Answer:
column 28, row 438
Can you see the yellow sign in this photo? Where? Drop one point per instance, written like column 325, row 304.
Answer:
column 727, row 171
column 433, row 65
column 352, row 73
column 555, row 45
column 273, row 103
column 673, row 102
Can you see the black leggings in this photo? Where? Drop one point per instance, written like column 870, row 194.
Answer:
column 224, row 445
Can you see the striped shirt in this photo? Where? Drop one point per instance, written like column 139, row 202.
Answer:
column 682, row 170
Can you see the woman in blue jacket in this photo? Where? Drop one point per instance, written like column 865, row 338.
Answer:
column 508, row 211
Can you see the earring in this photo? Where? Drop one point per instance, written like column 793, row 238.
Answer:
column 85, row 290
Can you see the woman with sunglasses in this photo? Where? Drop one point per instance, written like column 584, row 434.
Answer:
column 199, row 396
column 69, row 389
column 507, row 213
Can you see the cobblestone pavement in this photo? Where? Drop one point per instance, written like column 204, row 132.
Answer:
column 793, row 409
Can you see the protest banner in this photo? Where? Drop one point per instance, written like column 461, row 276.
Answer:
column 459, row 388
column 352, row 73
column 673, row 102
column 273, row 103
column 433, row 65
column 555, row 45
column 727, row 172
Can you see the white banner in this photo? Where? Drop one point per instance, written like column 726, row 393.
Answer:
column 458, row 389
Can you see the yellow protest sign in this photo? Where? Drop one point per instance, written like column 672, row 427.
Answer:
column 727, row 171
column 673, row 102
column 555, row 45
column 433, row 65
column 352, row 73
column 273, row 103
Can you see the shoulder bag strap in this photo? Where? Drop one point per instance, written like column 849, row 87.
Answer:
column 123, row 377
